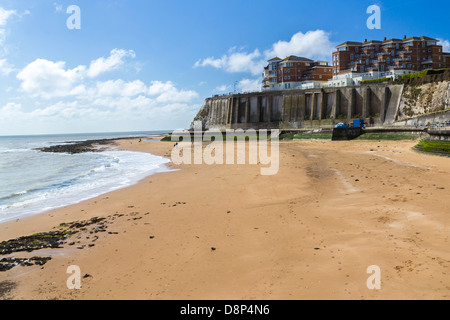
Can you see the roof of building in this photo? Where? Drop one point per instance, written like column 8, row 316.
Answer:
column 372, row 42
column 427, row 38
column 295, row 58
column 350, row 43
column 392, row 40
column 274, row 59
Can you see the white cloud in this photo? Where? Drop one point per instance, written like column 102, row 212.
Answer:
column 222, row 88
column 102, row 65
column 55, row 94
column 49, row 79
column 168, row 93
column 120, row 88
column 5, row 15
column 58, row 7
column 235, row 62
column 11, row 107
column 159, row 87
column 5, row 67
column 445, row 44
column 312, row 44
column 249, row 85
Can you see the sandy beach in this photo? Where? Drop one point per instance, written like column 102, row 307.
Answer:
column 227, row 232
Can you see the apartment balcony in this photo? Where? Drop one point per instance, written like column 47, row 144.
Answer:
column 427, row 61
column 346, row 71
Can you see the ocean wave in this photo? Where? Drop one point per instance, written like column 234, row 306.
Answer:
column 91, row 176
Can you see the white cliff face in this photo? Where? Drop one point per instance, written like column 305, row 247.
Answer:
column 424, row 99
column 447, row 97
column 203, row 115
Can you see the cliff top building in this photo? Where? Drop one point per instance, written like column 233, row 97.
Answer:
column 295, row 73
column 356, row 61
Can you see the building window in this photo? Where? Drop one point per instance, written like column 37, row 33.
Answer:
column 351, row 57
column 356, row 49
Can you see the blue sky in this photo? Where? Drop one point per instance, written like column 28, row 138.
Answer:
column 148, row 65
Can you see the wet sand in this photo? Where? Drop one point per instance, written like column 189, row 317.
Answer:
column 227, row 232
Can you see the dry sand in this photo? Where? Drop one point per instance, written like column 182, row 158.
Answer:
column 309, row 232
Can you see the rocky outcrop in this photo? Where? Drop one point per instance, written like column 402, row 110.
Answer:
column 203, row 115
column 419, row 100
column 74, row 147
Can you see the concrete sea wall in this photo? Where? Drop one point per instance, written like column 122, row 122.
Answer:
column 380, row 105
column 301, row 109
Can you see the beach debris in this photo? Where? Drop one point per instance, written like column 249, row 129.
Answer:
column 9, row 263
column 58, row 238
column 213, row 249
column 52, row 240
column 5, row 289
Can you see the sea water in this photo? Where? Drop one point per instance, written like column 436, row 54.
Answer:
column 32, row 182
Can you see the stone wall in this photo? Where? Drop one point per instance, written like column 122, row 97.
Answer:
column 379, row 105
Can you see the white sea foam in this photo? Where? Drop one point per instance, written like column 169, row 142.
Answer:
column 34, row 182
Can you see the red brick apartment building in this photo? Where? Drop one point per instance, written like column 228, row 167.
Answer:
column 413, row 54
column 295, row 73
